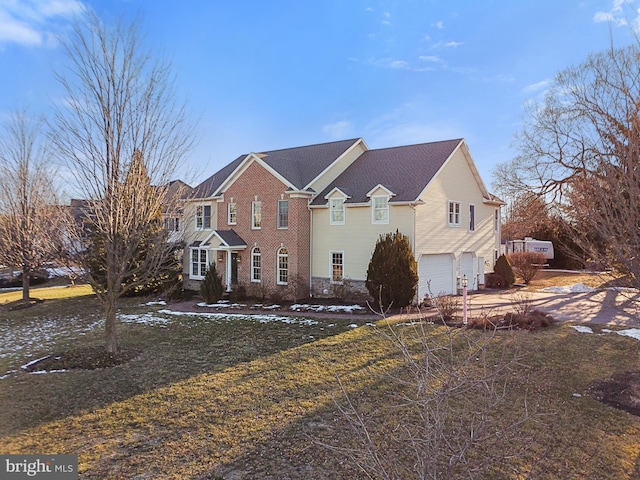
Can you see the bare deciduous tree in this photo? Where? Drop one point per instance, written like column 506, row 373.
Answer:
column 581, row 146
column 446, row 420
column 29, row 228
column 120, row 131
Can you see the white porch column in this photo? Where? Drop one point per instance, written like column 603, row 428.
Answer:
column 228, row 270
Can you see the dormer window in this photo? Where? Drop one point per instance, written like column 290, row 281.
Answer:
column 336, row 207
column 380, row 209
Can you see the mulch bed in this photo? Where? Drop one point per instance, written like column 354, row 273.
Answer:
column 621, row 391
column 87, row 358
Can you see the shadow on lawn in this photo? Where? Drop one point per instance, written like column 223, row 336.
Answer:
column 164, row 355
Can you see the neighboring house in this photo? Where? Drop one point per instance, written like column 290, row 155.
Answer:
column 173, row 213
column 305, row 220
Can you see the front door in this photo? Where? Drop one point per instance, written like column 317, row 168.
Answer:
column 234, row 268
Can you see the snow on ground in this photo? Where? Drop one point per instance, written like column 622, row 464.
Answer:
column 575, row 288
column 38, row 335
column 629, row 332
column 296, row 307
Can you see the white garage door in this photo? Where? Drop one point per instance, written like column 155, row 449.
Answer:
column 437, row 275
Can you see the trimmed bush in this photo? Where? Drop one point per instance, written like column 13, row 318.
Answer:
column 211, row 288
column 503, row 268
column 392, row 276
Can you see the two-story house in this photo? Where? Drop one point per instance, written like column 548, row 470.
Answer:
column 304, row 220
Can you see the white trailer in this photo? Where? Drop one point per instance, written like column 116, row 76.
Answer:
column 531, row 245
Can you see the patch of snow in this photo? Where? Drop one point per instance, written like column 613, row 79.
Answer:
column 42, row 372
column 265, row 318
column 160, row 302
column 353, row 325
column 575, row 288
column 144, row 319
column 305, row 307
column 221, row 304
column 27, row 365
column 630, row 332
column 582, row 329
column 38, row 334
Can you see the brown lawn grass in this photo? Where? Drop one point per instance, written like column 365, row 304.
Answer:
column 550, row 278
column 249, row 400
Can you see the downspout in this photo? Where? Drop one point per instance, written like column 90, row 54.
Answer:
column 310, row 248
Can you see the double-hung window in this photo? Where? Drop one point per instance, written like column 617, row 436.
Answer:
column 496, row 220
column 283, row 213
column 283, row 266
column 380, row 209
column 232, row 213
column 337, row 267
column 336, row 207
column 256, row 265
column 203, row 217
column 256, row 215
column 454, row 214
column 199, row 263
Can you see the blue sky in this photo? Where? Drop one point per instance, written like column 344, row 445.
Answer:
column 263, row 75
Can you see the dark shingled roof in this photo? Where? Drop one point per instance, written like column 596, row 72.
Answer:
column 231, row 238
column 405, row 171
column 299, row 165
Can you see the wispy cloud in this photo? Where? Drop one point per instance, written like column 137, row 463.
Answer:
column 537, row 87
column 618, row 14
column 439, row 25
column 338, row 130
column 34, row 22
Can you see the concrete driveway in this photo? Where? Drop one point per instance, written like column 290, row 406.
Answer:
column 602, row 307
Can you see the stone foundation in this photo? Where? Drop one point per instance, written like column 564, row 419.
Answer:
column 353, row 290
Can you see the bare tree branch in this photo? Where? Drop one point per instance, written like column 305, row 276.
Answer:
column 123, row 134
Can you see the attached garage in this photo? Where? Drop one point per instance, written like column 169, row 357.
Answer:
column 437, row 275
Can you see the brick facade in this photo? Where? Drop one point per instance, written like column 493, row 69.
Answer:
column 258, row 184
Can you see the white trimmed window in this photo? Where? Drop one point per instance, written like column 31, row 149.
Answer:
column 380, row 209
column 199, row 263
column 472, row 217
column 203, row 217
column 336, row 207
column 232, row 213
column 496, row 219
column 283, row 213
column 256, row 265
column 337, row 267
column 454, row 214
column 256, row 215
column 283, row 266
